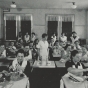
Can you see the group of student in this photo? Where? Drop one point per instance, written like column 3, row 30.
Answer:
column 30, row 49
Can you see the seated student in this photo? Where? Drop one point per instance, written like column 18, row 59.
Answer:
column 77, row 45
column 75, row 77
column 57, row 48
column 2, row 51
column 27, row 52
column 63, row 37
column 26, row 38
column 33, row 37
column 54, row 37
column 11, row 50
column 19, row 63
column 51, row 43
column 65, row 54
column 35, row 44
column 74, row 37
column 19, row 44
column 84, row 56
column 74, row 65
column 31, row 45
column 62, row 44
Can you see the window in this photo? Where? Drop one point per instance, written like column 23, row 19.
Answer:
column 59, row 24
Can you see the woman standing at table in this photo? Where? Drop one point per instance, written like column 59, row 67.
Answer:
column 43, row 48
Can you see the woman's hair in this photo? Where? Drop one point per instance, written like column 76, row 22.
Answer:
column 33, row 33
column 20, row 51
column 44, row 35
column 74, row 32
column 73, row 53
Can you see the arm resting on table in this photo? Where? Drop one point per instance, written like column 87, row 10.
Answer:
column 76, row 71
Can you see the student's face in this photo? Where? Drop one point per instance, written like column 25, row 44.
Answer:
column 74, row 34
column 77, row 58
column 26, row 48
column 33, row 35
column 84, row 50
column 52, row 40
column 63, row 44
column 63, row 34
column 20, row 57
column 68, row 48
column 76, row 43
column 57, row 44
column 31, row 44
column 21, row 41
column 46, row 37
column 27, row 33
column 12, row 43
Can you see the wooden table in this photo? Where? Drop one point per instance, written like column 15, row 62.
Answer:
column 50, row 64
column 23, row 83
column 44, row 76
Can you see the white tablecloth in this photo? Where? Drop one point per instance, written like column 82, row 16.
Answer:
column 23, row 83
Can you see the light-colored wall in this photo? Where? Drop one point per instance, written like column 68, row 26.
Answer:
column 39, row 22
column 87, row 26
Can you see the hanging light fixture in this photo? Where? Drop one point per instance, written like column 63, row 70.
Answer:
column 13, row 5
column 73, row 5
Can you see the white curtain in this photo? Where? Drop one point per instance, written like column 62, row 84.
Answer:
column 53, row 18
column 10, row 17
column 26, row 18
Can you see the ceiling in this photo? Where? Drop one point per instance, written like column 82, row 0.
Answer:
column 44, row 4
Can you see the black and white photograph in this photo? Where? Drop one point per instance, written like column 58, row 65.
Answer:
column 43, row 43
